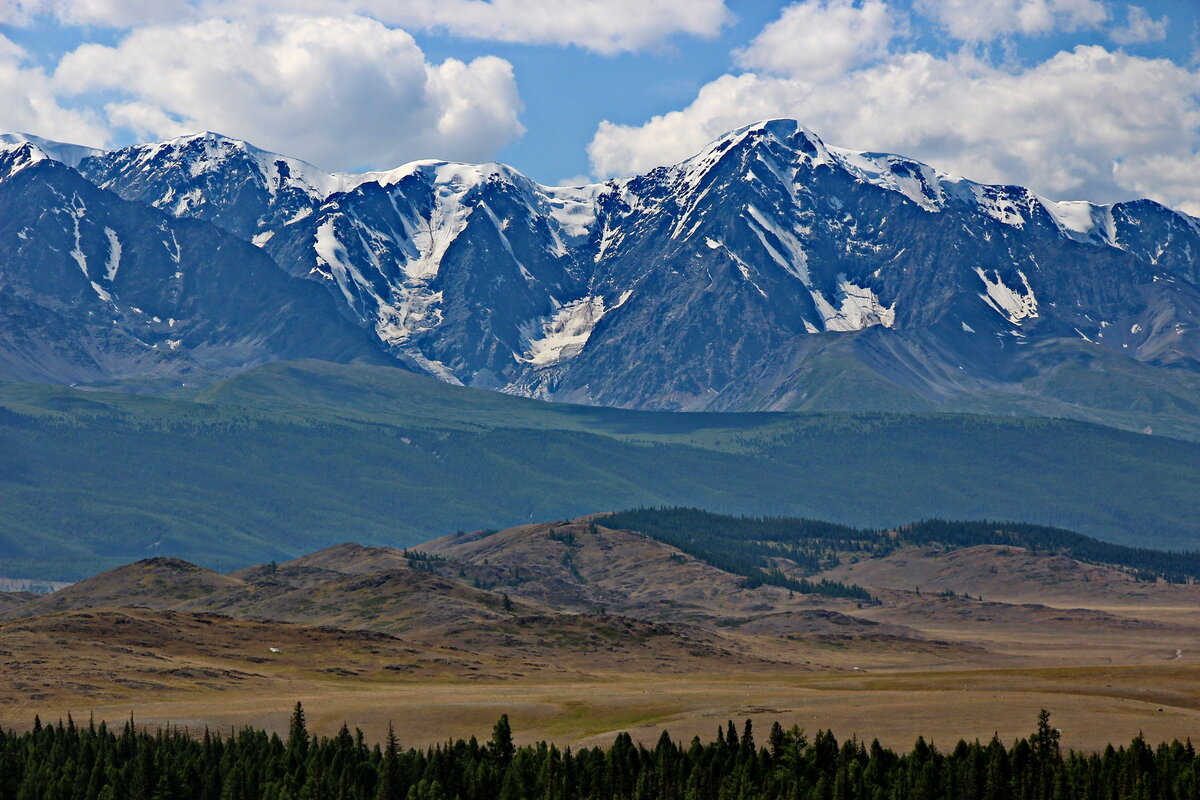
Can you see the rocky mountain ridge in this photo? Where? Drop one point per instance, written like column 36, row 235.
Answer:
column 771, row 271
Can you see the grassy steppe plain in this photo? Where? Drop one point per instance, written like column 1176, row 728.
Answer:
column 1093, row 705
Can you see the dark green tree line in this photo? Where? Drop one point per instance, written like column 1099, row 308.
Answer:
column 67, row 761
column 747, row 545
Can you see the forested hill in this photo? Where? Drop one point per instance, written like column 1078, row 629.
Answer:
column 292, row 457
column 748, row 545
column 69, row 762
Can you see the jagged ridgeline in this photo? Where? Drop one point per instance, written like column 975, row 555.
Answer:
column 99, row 763
column 757, row 547
column 771, row 271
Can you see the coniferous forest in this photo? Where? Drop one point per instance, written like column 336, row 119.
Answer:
column 746, row 545
column 66, row 761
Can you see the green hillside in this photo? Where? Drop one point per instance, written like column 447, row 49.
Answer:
column 291, row 457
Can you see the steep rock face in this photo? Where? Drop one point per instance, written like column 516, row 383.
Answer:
column 735, row 260
column 750, row 276
column 453, row 266
column 94, row 288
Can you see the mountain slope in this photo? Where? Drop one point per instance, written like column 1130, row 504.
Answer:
column 94, row 288
column 770, row 271
column 1010, row 575
column 291, row 457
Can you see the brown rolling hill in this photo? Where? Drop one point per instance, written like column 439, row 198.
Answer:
column 348, row 558
column 131, row 652
column 574, row 624
column 1047, row 598
column 160, row 583
column 1010, row 575
column 582, row 565
column 380, row 592
column 312, row 590
column 10, row 600
column 555, row 589
column 393, row 599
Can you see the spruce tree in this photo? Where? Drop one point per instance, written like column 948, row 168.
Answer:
column 776, row 741
column 748, row 738
column 501, row 746
column 389, row 769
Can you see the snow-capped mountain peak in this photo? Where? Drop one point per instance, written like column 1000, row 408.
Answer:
column 69, row 154
column 669, row 289
column 198, row 154
column 929, row 188
column 16, row 156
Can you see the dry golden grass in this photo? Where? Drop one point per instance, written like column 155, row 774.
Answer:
column 1092, row 707
column 1108, row 657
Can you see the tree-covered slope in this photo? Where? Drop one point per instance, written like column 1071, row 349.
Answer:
column 291, row 457
column 745, row 544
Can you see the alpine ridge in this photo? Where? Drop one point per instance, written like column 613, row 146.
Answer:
column 94, row 288
column 770, row 271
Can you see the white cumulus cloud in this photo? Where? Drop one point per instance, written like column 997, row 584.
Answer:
column 342, row 92
column 104, row 13
column 1087, row 123
column 985, row 20
column 29, row 102
column 605, row 26
column 1140, row 27
column 821, row 38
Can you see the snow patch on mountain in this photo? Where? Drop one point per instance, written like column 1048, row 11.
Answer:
column 918, row 182
column 1013, row 304
column 173, row 249
column 113, row 263
column 999, row 203
column 76, row 212
column 854, row 308
column 332, row 255
column 1083, row 221
column 793, row 259
column 448, row 216
column 101, row 292
column 564, row 334
column 573, row 208
column 414, row 310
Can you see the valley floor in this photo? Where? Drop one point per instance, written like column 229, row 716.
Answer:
column 369, row 636
column 857, row 687
column 1093, row 706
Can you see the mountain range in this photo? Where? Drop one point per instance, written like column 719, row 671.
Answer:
column 769, row 272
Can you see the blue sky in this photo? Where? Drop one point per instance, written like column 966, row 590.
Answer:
column 568, row 91
column 1076, row 98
